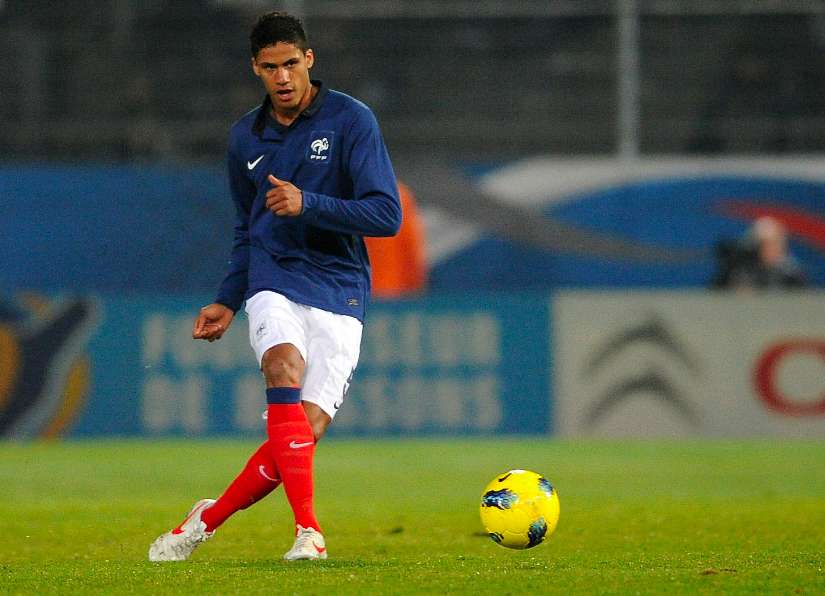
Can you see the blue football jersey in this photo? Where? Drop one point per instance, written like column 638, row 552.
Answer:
column 335, row 154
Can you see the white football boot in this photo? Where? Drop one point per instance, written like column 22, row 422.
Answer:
column 309, row 544
column 178, row 544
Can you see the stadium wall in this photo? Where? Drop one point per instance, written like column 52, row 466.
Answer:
column 117, row 366
column 103, row 267
column 536, row 224
column 682, row 364
column 669, row 364
column 546, row 222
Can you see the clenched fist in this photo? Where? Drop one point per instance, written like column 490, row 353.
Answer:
column 284, row 198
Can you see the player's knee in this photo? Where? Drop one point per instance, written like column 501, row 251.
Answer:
column 283, row 366
column 280, row 373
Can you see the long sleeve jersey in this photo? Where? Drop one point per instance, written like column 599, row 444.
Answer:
column 335, row 154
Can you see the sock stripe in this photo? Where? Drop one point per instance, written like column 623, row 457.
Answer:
column 283, row 395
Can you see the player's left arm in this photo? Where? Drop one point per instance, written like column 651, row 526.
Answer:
column 374, row 210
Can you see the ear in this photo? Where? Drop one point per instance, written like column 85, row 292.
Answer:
column 255, row 68
column 310, row 57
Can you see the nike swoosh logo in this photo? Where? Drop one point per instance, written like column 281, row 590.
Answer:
column 179, row 529
column 296, row 445
column 262, row 472
column 252, row 164
column 320, row 549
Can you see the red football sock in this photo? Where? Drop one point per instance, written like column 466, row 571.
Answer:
column 292, row 445
column 258, row 478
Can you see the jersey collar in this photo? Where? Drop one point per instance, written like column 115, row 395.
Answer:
column 264, row 120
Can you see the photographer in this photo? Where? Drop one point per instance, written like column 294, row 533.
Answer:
column 760, row 261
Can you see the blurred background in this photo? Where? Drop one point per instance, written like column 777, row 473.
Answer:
column 614, row 211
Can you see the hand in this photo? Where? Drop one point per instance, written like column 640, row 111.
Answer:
column 284, row 198
column 212, row 322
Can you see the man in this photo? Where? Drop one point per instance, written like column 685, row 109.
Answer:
column 761, row 261
column 310, row 176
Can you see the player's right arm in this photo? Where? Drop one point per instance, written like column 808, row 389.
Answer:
column 213, row 320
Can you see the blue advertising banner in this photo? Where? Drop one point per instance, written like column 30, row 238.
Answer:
column 596, row 223
column 650, row 224
column 128, row 366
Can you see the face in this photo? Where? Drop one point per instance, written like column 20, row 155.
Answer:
column 773, row 241
column 284, row 71
column 773, row 248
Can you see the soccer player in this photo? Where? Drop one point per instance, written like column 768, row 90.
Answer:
column 310, row 176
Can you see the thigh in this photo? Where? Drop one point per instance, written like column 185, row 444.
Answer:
column 333, row 347
column 274, row 320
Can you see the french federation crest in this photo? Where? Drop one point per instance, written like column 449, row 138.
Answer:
column 320, row 146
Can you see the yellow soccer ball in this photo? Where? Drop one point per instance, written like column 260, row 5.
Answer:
column 519, row 509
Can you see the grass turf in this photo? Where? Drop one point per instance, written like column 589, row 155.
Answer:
column 401, row 517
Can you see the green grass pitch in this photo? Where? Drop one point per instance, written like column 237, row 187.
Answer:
column 401, row 517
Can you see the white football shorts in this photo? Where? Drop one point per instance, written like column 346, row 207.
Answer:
column 329, row 343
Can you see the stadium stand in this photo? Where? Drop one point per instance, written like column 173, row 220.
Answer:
column 530, row 83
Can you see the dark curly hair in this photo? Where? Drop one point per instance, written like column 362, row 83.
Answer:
column 274, row 27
